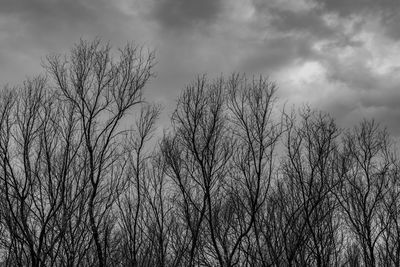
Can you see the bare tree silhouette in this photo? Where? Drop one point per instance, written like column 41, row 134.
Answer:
column 233, row 182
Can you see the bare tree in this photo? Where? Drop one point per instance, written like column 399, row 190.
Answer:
column 365, row 169
column 256, row 133
column 38, row 147
column 132, row 206
column 389, row 245
column 308, row 174
column 220, row 158
column 81, row 184
column 196, row 156
column 102, row 90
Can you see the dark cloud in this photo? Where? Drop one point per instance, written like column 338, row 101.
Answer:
column 346, row 8
column 311, row 21
column 31, row 29
column 331, row 33
column 38, row 9
column 307, row 22
column 355, row 75
column 45, row 26
column 276, row 53
column 391, row 22
column 47, row 15
column 178, row 15
column 387, row 11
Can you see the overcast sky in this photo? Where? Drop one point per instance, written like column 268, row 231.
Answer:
column 341, row 56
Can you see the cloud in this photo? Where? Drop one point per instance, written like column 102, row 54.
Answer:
column 31, row 29
column 388, row 11
column 337, row 55
column 181, row 15
column 42, row 17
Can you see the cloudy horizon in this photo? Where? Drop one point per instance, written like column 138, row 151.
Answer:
column 335, row 55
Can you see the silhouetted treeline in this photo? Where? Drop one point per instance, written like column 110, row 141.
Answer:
column 234, row 182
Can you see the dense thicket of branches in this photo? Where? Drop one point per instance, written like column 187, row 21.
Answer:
column 234, row 182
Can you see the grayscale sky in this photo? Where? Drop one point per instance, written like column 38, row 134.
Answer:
column 341, row 56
